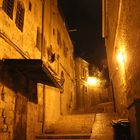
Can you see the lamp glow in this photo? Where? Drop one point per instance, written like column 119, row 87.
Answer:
column 93, row 81
column 121, row 57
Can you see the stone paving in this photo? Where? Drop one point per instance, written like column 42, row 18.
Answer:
column 102, row 128
column 79, row 123
column 86, row 126
column 78, row 126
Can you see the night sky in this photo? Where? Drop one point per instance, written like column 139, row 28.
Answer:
column 85, row 16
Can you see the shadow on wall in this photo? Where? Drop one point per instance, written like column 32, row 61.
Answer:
column 18, row 83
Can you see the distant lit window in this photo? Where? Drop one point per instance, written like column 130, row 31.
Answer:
column 83, row 73
column 20, row 16
column 84, row 89
column 38, row 38
column 58, row 38
column 8, row 6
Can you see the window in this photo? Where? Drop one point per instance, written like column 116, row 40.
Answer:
column 83, row 72
column 53, row 31
column 38, row 39
column 65, row 49
column 84, row 89
column 51, row 55
column 7, row 6
column 30, row 6
column 20, row 16
column 58, row 38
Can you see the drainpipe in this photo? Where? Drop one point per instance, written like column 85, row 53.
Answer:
column 43, row 122
column 42, row 49
column 42, row 35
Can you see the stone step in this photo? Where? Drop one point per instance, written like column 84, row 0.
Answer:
column 64, row 136
column 72, row 124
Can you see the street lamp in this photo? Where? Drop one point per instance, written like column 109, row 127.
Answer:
column 93, row 81
column 121, row 57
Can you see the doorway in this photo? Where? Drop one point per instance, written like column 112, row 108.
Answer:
column 20, row 121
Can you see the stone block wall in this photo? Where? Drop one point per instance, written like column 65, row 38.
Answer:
column 123, row 36
column 40, row 108
column 23, row 42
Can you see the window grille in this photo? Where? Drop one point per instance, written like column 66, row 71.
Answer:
column 20, row 16
column 7, row 6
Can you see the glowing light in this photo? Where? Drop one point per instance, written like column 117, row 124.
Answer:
column 121, row 57
column 93, row 81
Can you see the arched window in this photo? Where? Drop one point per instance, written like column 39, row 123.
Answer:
column 8, row 6
column 20, row 16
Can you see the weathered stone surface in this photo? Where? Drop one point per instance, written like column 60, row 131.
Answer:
column 102, row 128
column 123, row 35
column 24, row 111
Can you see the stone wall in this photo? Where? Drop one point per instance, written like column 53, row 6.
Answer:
column 59, row 44
column 40, row 105
column 14, row 107
column 81, row 72
column 123, row 36
column 21, row 42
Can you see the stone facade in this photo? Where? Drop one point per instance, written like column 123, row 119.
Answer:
column 28, row 108
column 89, row 96
column 81, row 72
column 121, row 32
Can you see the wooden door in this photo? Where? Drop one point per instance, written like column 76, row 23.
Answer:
column 20, row 117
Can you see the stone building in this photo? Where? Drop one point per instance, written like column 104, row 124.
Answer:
column 121, row 30
column 81, row 75
column 36, row 68
column 91, row 91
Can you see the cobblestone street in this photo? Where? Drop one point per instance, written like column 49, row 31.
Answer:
column 102, row 128
column 87, row 126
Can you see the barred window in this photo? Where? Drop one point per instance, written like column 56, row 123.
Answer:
column 8, row 6
column 20, row 16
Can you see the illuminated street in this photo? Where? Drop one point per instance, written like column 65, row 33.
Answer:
column 70, row 69
column 91, row 126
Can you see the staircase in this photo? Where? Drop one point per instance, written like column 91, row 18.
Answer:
column 70, row 127
column 95, row 126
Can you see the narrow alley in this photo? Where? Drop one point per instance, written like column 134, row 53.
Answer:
column 52, row 87
column 88, row 126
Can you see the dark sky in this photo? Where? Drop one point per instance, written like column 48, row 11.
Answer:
column 85, row 16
